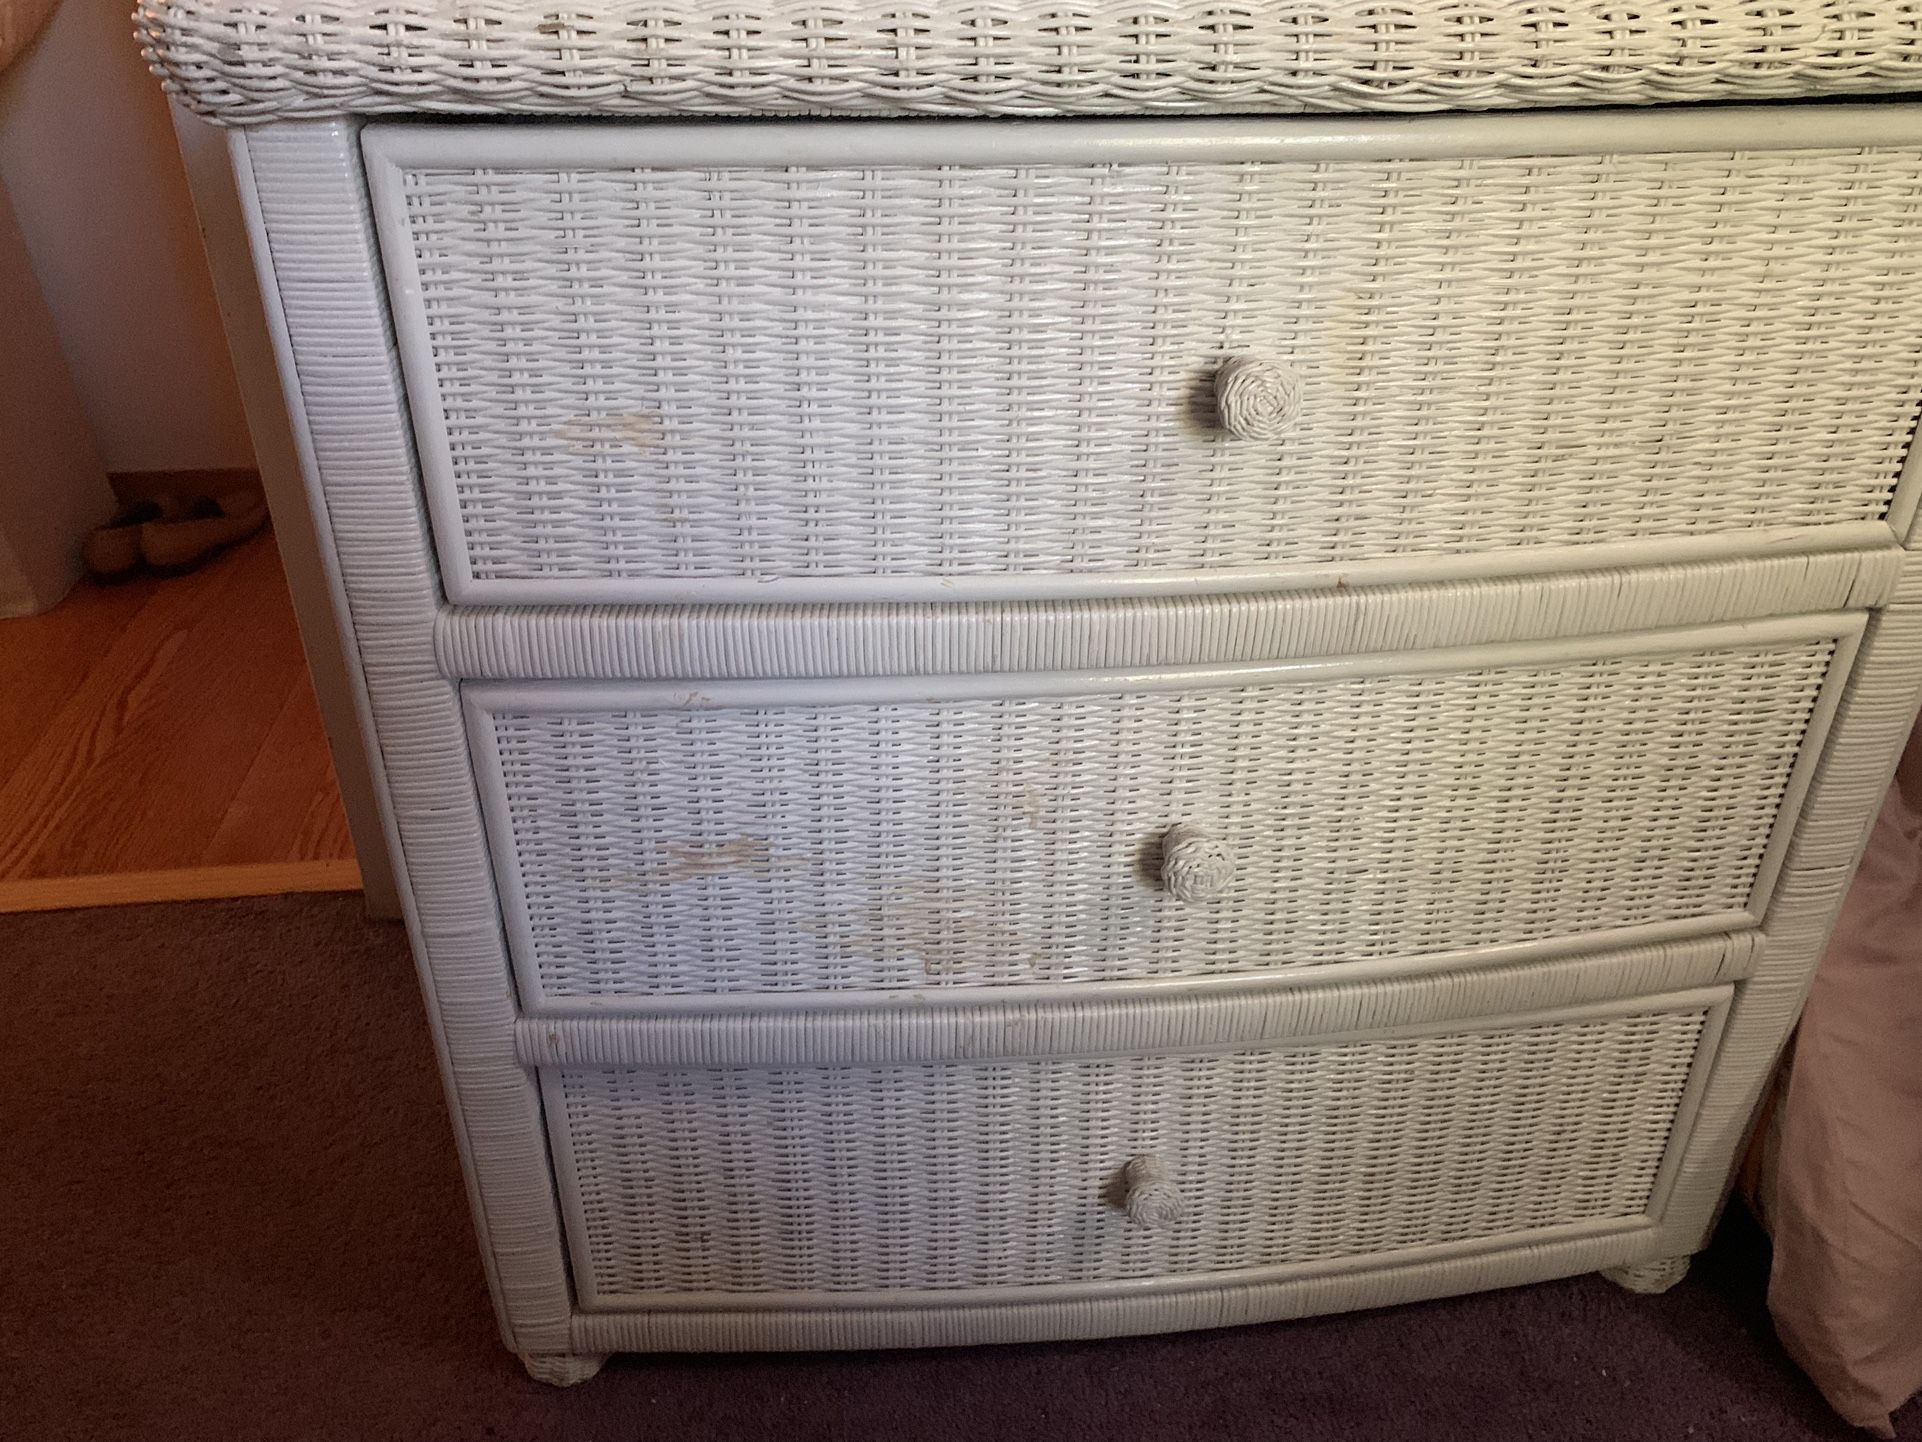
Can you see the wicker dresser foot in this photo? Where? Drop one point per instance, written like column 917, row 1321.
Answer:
column 562, row 1369
column 1649, row 1278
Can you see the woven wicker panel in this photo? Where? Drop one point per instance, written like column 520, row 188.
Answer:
column 246, row 60
column 1016, row 840
column 677, row 374
column 1007, row 1173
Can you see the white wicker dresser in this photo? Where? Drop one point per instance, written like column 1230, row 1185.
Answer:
column 1080, row 689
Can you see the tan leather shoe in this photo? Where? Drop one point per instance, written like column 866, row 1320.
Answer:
column 209, row 526
column 112, row 552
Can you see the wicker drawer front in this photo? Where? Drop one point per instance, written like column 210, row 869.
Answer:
column 950, row 832
column 1028, row 1173
column 654, row 378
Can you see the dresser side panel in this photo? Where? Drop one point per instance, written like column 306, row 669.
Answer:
column 305, row 195
column 1874, row 718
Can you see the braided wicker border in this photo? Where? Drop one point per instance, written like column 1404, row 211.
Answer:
column 244, row 61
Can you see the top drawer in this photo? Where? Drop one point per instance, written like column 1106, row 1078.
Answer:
column 864, row 361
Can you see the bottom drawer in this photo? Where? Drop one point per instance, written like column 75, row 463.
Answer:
column 978, row 1180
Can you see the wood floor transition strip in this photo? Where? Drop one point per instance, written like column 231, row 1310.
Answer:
column 194, row 883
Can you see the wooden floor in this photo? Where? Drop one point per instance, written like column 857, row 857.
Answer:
column 159, row 740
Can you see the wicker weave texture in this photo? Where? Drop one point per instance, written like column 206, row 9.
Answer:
column 1016, row 839
column 648, row 376
column 1118, row 1310
column 249, row 60
column 714, row 642
column 315, row 238
column 1080, row 1020
column 319, row 260
column 1008, row 1173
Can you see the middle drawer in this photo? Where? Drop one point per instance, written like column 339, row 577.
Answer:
column 657, row 840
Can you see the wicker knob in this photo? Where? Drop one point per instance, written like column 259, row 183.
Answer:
column 1150, row 1196
column 1257, row 400
column 1195, row 865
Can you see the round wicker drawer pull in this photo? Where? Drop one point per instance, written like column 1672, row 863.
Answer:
column 1257, row 400
column 1151, row 1198
column 1195, row 866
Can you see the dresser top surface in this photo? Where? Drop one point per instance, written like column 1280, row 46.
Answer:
column 250, row 61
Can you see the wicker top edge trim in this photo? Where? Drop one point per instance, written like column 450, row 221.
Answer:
column 247, row 61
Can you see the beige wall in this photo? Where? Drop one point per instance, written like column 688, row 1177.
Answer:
column 87, row 153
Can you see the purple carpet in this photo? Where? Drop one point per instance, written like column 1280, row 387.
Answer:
column 232, row 1211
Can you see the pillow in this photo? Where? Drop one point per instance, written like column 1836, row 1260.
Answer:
column 1842, row 1185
